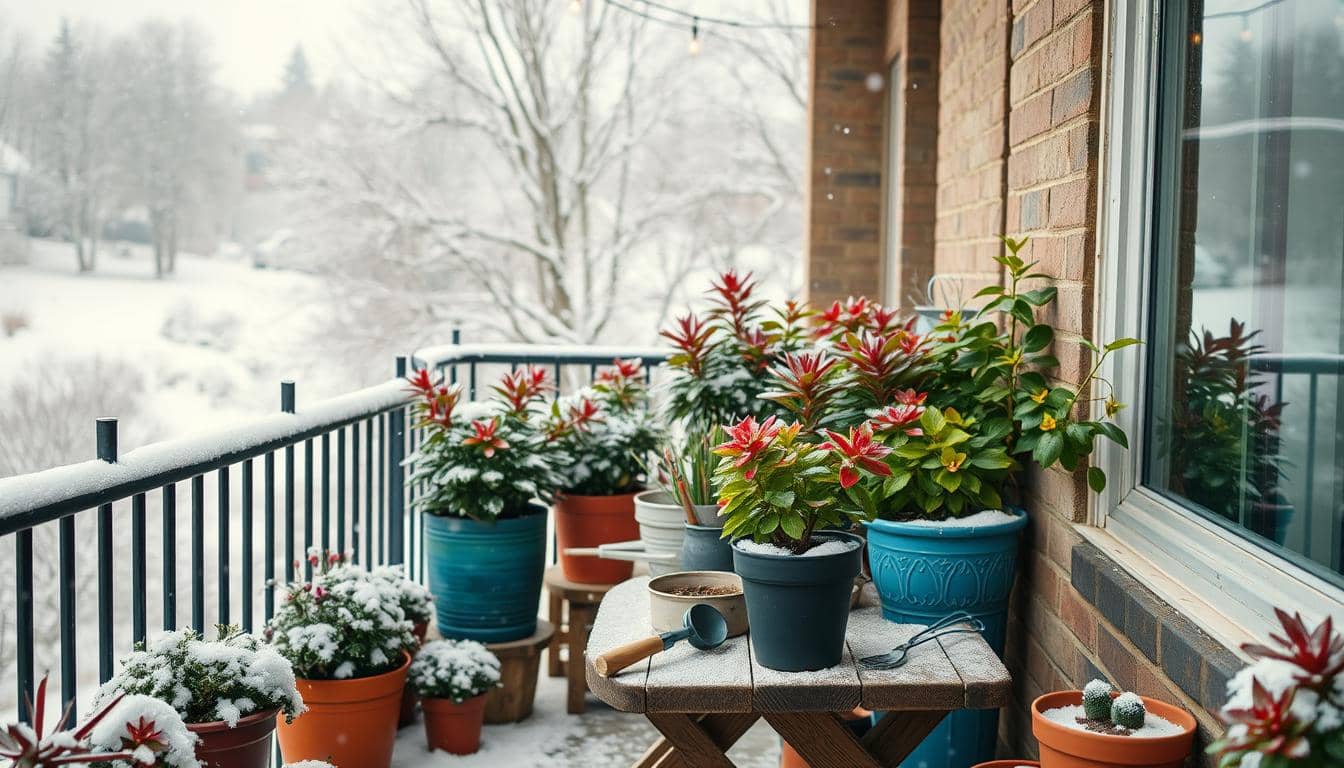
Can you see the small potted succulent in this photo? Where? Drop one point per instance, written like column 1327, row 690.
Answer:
column 229, row 691
column 1287, row 707
column 123, row 732
column 488, row 470
column 782, row 494
column 452, row 678
column 605, row 434
column 349, row 642
column 1101, row 726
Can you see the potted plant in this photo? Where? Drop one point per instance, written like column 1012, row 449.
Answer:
column 452, row 678
column 228, row 691
column 418, row 605
column 310, row 764
column 123, row 732
column 1287, row 707
column 348, row 641
column 1101, row 727
column 686, row 472
column 604, row 434
column 780, row 489
column 488, row 470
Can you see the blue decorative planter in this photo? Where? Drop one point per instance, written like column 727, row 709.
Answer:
column 486, row 577
column 922, row 573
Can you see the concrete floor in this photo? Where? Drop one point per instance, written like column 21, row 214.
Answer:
column 550, row 738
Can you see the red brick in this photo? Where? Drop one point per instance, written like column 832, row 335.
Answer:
column 1078, row 616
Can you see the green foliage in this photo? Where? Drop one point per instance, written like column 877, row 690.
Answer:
column 946, row 466
column 487, row 460
column 778, row 486
column 604, row 435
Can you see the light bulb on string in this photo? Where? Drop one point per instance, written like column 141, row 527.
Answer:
column 1245, row 33
column 575, row 7
column 694, row 46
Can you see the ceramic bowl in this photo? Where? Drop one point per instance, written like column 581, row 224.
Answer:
column 666, row 609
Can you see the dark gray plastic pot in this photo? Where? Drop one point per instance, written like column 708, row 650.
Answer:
column 703, row 549
column 798, row 607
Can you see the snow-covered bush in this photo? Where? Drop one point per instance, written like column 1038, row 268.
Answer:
column 484, row 460
column 309, row 764
column 185, row 323
column 208, row 680
column 454, row 669
column 1287, row 707
column 415, row 600
column 345, row 623
column 149, row 729
column 605, row 433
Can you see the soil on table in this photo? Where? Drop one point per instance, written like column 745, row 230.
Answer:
column 701, row 590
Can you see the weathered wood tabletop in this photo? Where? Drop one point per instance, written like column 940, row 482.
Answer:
column 703, row 701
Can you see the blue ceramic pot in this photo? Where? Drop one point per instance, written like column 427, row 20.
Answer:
column 924, row 572
column 486, row 577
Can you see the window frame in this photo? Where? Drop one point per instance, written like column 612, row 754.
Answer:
column 1211, row 570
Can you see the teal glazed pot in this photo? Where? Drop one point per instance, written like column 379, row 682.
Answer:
column 798, row 606
column 486, row 577
column 703, row 548
column 924, row 572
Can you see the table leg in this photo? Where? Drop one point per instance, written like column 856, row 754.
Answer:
column 556, row 617
column 724, row 729
column 821, row 739
column 898, row 733
column 691, row 745
column 580, row 618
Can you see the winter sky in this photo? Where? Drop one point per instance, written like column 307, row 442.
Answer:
column 252, row 38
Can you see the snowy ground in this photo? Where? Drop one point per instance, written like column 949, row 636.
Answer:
column 212, row 341
column 599, row 738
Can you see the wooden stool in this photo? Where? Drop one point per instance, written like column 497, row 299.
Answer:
column 519, row 663
column 572, row 609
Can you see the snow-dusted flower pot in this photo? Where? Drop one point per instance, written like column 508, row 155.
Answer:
column 1063, row 746
column 661, row 524
column 245, row 745
column 486, row 576
column 349, row 722
column 798, row 605
column 924, row 570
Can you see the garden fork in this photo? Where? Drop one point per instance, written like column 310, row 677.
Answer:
column 948, row 625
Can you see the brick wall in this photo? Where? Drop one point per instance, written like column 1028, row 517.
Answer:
column 1017, row 147
column 971, row 87
column 845, row 150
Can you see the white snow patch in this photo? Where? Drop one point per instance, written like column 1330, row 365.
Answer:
column 829, row 547
column 979, row 519
column 1153, row 725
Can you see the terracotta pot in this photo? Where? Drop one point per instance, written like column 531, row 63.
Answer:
column 1007, row 764
column 590, row 521
column 408, row 697
column 348, row 722
column 246, row 745
column 1065, row 747
column 452, row 727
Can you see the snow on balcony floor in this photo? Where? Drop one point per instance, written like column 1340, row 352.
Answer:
column 550, row 738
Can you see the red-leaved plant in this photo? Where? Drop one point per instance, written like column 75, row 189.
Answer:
column 1287, row 708
column 484, row 460
column 29, row 747
column 779, row 484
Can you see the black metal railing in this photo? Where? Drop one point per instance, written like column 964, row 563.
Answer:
column 354, row 499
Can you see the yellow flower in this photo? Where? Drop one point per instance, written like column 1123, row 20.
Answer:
column 1113, row 406
column 1048, row 423
column 1039, row 397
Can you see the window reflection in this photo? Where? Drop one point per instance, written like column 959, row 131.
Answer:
column 1250, row 275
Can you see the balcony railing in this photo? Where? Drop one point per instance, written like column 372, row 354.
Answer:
column 353, row 499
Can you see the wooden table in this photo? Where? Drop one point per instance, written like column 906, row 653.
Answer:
column 572, row 607
column 703, row 701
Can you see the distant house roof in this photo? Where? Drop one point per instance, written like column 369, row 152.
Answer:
column 11, row 161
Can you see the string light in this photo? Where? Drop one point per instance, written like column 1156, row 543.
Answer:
column 575, row 7
column 1196, row 38
column 1245, row 33
column 694, row 46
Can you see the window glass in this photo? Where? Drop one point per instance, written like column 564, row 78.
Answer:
column 1244, row 386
